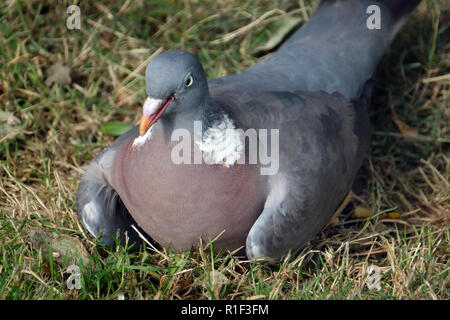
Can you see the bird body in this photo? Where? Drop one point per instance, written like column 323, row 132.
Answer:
column 188, row 195
column 312, row 96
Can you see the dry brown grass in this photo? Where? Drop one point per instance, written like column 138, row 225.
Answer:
column 57, row 133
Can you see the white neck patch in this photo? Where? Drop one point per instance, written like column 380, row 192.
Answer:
column 140, row 140
column 151, row 106
column 222, row 143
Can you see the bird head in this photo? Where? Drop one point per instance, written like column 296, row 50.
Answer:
column 176, row 84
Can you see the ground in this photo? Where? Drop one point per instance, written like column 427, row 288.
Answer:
column 54, row 120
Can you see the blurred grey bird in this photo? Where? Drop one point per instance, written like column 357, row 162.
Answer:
column 315, row 90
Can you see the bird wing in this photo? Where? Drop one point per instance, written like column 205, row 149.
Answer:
column 322, row 141
column 99, row 206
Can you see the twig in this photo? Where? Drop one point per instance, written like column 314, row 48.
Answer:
column 418, row 137
column 438, row 78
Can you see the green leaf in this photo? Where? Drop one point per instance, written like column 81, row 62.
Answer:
column 279, row 29
column 115, row 128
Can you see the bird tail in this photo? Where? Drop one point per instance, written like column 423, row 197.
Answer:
column 345, row 40
column 397, row 11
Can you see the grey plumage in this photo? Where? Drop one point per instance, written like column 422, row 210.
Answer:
column 315, row 89
column 99, row 207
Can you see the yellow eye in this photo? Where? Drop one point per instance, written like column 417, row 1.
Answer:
column 189, row 81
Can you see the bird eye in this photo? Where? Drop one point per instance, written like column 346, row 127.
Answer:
column 189, row 81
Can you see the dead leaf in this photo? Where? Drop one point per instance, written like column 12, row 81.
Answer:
column 215, row 279
column 184, row 284
column 9, row 118
column 280, row 28
column 9, row 125
column 63, row 247
column 4, row 87
column 59, row 74
column 122, row 96
column 362, row 212
column 405, row 130
column 45, row 270
column 391, row 215
column 105, row 39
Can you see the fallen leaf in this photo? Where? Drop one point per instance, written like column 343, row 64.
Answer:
column 59, row 74
column 63, row 247
column 215, row 279
column 105, row 39
column 4, row 87
column 45, row 270
column 122, row 96
column 279, row 28
column 184, row 284
column 362, row 212
column 391, row 215
column 9, row 118
column 405, row 130
column 9, row 125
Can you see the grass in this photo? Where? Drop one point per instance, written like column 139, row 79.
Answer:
column 55, row 133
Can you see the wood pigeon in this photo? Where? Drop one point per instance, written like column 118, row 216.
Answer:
column 261, row 159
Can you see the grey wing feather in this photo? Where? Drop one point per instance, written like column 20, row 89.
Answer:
column 99, row 207
column 323, row 139
column 332, row 137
